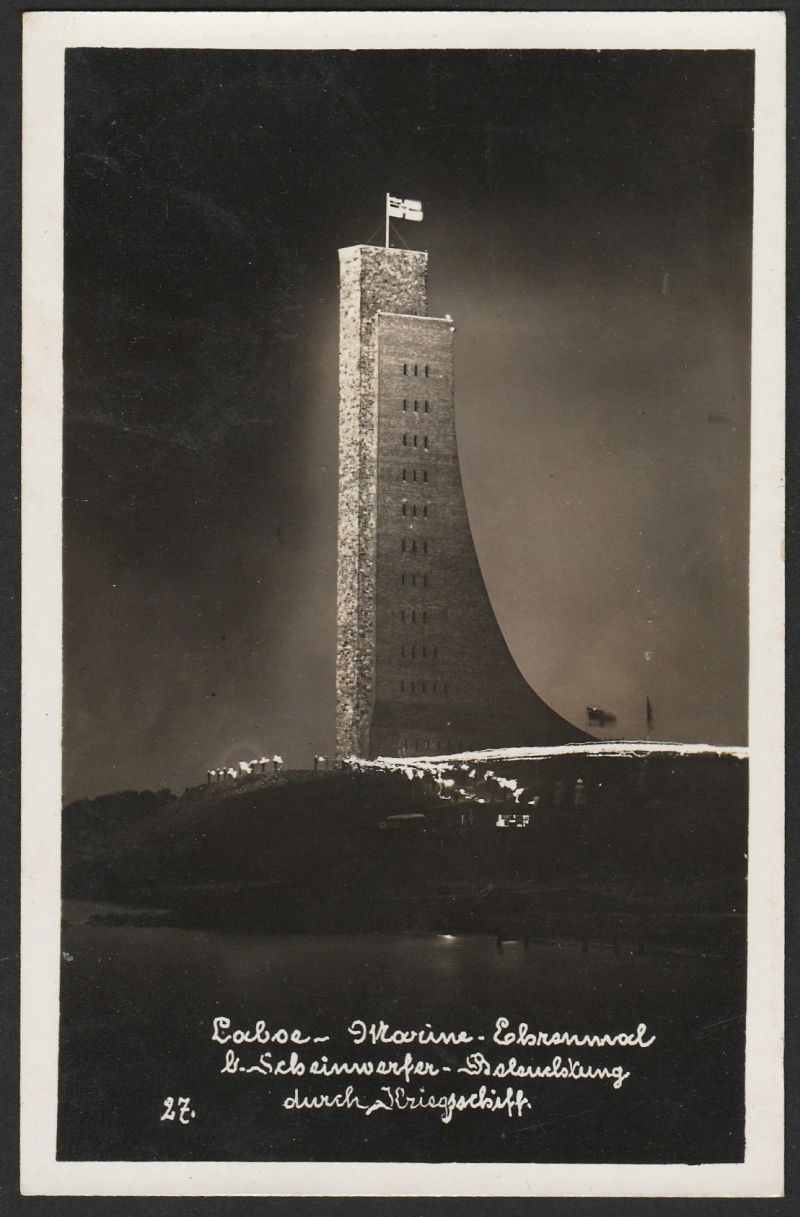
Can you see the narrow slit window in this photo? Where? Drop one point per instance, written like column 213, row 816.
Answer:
column 415, row 475
column 404, row 507
column 414, row 510
column 405, row 479
column 405, row 440
column 424, row 614
column 405, row 369
column 425, row 510
column 425, row 441
column 424, row 475
column 424, row 547
column 427, row 408
column 405, row 403
column 413, row 580
column 402, row 614
column 415, row 441
column 413, row 687
column 414, row 546
column 426, row 369
column 424, row 580
column 414, row 615
column 416, row 369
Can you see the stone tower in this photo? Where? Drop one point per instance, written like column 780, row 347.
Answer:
column 421, row 665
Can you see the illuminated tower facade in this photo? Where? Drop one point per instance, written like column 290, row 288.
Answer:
column 422, row 666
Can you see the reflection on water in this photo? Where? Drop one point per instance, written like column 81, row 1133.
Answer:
column 138, row 1004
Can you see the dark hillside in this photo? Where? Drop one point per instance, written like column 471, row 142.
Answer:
column 658, row 849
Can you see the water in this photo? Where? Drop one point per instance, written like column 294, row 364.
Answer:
column 138, row 1005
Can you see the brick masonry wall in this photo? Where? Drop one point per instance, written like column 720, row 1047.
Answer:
column 422, row 665
column 370, row 279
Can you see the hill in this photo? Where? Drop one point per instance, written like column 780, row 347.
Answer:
column 620, row 848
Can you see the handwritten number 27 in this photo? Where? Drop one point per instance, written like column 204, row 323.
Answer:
column 178, row 1109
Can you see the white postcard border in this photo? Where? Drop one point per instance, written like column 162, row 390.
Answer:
column 46, row 36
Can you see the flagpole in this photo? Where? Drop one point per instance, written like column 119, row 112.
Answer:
column 387, row 221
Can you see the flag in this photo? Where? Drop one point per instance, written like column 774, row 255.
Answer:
column 404, row 209
column 602, row 717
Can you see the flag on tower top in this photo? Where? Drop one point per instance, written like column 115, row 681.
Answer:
column 404, row 209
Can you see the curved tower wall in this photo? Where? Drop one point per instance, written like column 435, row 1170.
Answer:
column 422, row 665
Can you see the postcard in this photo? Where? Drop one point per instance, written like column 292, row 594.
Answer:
column 402, row 648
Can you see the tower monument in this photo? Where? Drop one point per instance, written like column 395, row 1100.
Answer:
column 421, row 665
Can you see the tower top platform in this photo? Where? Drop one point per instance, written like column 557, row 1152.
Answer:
column 383, row 249
column 375, row 279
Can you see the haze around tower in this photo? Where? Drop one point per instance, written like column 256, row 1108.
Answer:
column 589, row 233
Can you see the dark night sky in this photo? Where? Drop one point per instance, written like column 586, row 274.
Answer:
column 588, row 222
